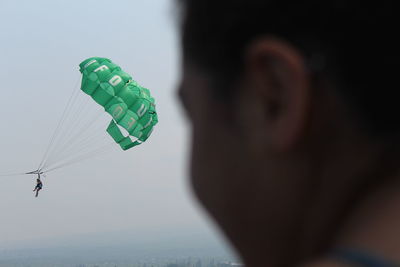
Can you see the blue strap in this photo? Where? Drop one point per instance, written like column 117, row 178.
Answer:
column 360, row 258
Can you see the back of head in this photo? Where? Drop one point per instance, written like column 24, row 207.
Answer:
column 352, row 44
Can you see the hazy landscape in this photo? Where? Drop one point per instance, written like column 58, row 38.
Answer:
column 182, row 248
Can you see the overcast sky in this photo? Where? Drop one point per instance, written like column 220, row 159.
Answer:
column 143, row 189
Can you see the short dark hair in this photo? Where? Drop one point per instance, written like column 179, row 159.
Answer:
column 354, row 43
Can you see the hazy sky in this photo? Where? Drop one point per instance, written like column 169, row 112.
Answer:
column 143, row 189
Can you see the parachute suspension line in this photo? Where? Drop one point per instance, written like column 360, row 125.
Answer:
column 60, row 124
column 74, row 131
column 78, row 135
column 88, row 155
column 55, row 134
column 80, row 147
column 66, row 145
column 77, row 154
column 74, row 120
column 78, row 139
column 83, row 131
column 69, row 120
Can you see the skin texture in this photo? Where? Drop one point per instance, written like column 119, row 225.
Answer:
column 283, row 167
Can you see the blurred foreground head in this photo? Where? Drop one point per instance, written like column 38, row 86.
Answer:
column 295, row 125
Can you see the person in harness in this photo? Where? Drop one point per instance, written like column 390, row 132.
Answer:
column 38, row 186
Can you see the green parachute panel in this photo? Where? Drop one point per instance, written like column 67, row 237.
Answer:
column 130, row 105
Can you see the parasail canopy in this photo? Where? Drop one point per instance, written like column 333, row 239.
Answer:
column 130, row 105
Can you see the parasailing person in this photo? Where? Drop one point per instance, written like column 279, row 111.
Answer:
column 39, row 185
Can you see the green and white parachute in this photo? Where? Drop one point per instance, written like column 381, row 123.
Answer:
column 130, row 105
column 82, row 131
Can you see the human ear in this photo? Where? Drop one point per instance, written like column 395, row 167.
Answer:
column 279, row 85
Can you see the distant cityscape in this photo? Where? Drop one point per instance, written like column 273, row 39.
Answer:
column 184, row 262
column 122, row 249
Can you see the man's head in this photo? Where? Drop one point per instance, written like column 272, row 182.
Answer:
column 354, row 43
column 276, row 92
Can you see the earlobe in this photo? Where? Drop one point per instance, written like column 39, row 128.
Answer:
column 280, row 79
